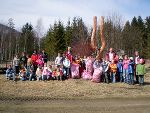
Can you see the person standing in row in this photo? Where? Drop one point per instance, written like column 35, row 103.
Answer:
column 125, row 68
column 140, row 71
column 58, row 60
column 131, row 71
column 44, row 57
column 34, row 58
column 136, row 60
column 111, row 54
column 16, row 62
column 23, row 60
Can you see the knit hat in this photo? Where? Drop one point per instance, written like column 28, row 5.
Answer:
column 131, row 58
column 141, row 60
column 120, row 57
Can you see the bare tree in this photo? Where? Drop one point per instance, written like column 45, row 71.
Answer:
column 39, row 31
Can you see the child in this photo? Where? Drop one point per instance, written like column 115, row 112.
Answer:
column 131, row 71
column 45, row 73
column 16, row 62
column 59, row 73
column 10, row 73
column 54, row 74
column 32, row 73
column 49, row 74
column 140, row 71
column 105, row 66
column 39, row 73
column 125, row 68
column 66, row 64
column 79, row 62
column 22, row 74
column 120, row 69
column 113, row 71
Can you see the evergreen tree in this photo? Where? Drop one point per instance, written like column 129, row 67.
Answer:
column 147, row 26
column 68, row 33
column 28, row 41
column 59, row 35
column 49, row 42
column 55, row 39
column 127, row 38
column 136, row 35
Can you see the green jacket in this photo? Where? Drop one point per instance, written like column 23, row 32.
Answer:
column 140, row 69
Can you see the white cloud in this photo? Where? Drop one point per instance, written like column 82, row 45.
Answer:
column 23, row 11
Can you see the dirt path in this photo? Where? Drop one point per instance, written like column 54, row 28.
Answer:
column 114, row 105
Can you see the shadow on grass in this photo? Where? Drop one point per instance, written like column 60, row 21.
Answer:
column 146, row 83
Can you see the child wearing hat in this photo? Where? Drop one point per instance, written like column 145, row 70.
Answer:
column 140, row 71
column 131, row 71
column 120, row 69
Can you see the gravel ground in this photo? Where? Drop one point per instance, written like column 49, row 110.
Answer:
column 115, row 105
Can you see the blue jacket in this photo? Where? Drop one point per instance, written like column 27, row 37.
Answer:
column 120, row 67
column 131, row 68
column 97, row 64
column 105, row 66
column 9, row 71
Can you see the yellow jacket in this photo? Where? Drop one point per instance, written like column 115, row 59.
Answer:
column 113, row 68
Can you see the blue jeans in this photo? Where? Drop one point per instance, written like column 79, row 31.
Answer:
column 131, row 78
column 9, row 76
column 28, row 71
column 113, row 77
column 125, row 75
column 44, row 77
column 23, row 78
column 32, row 76
column 39, row 78
column 141, row 79
column 106, row 77
column 121, row 76
column 67, row 71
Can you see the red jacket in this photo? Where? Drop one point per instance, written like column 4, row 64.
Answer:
column 69, row 56
column 34, row 58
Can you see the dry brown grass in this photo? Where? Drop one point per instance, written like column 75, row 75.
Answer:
column 70, row 89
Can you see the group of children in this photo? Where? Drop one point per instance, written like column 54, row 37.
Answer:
column 112, row 68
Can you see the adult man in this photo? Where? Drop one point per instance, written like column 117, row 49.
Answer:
column 111, row 54
column 23, row 59
column 44, row 56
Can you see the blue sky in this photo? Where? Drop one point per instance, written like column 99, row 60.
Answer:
column 23, row 11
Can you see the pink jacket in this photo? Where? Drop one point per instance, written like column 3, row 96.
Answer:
column 40, row 62
column 125, row 64
column 45, row 71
